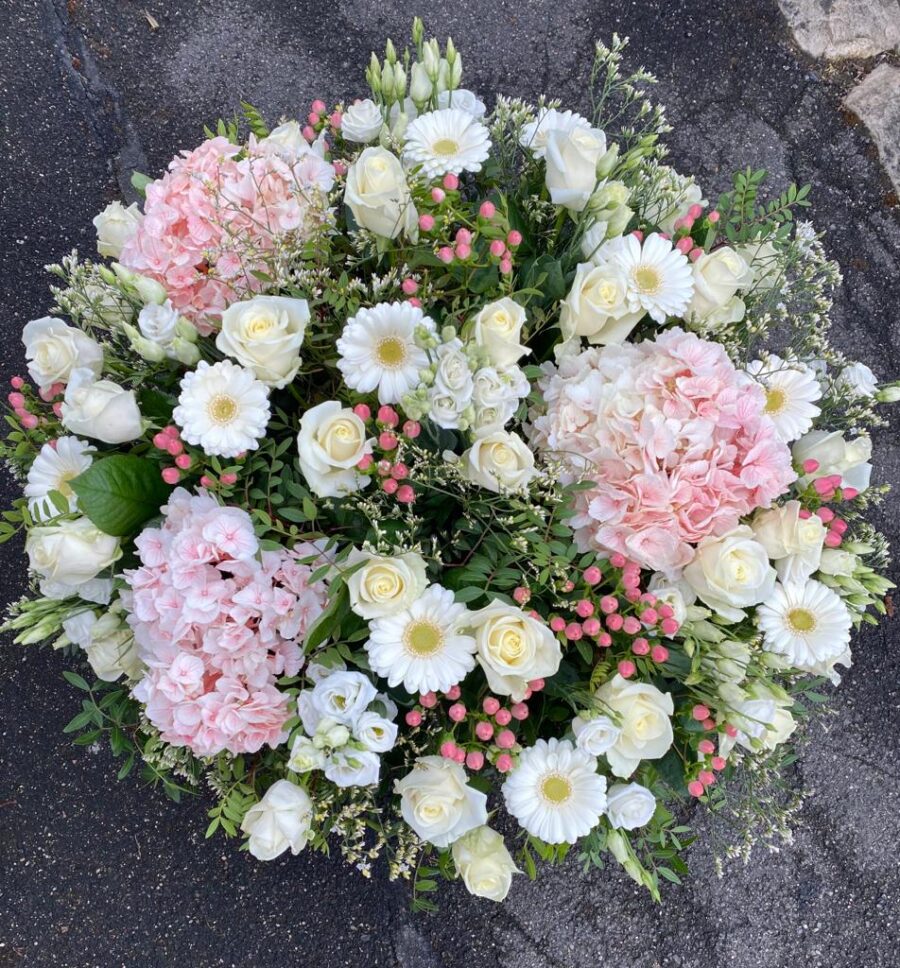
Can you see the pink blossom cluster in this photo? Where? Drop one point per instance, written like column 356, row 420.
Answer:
column 211, row 220
column 216, row 622
column 674, row 438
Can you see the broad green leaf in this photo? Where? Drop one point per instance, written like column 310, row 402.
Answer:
column 121, row 492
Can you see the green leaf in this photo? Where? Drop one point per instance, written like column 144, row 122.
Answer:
column 139, row 182
column 120, row 493
column 79, row 682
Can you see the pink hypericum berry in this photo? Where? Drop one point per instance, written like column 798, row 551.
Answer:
column 460, row 755
column 638, row 235
column 521, row 595
column 648, row 598
column 451, row 182
column 160, row 441
column 227, row 479
column 659, row 654
column 592, row 575
column 405, row 494
column 640, row 646
column 506, row 739
column 207, row 481
column 387, row 440
column 319, row 106
column 484, row 730
column 568, row 585
column 536, row 685
column 649, row 616
column 437, row 196
column 591, row 626
column 171, row 475
column 339, row 167
column 426, row 222
column 29, row 421
column 463, row 251
column 17, row 383
column 669, row 626
column 706, row 777
column 475, row 760
column 309, row 133
column 685, row 245
column 490, row 705
column 627, row 668
column 730, row 731
column 665, row 611
column 696, row 788
column 503, row 717
column 695, row 254
column 706, row 746
column 557, row 623
column 183, row 461
column 514, row 238
column 16, row 399
column 389, row 485
column 464, row 236
column 428, row 700
column 504, row 763
column 445, row 254
column 457, row 712
column 365, row 462
column 618, row 560
column 174, row 447
column 453, row 693
column 849, row 493
column 709, row 724
column 487, row 210
column 409, row 286
column 700, row 712
column 313, row 117
column 527, row 695
column 719, row 763
column 363, row 411
column 839, row 525
column 412, row 429
column 604, row 640
column 833, row 539
column 519, row 711
column 614, row 622
column 633, row 594
column 388, row 415
column 609, row 604
column 399, row 472
column 810, row 466
column 505, row 266
column 823, row 487
column 497, row 248
column 714, row 216
column 448, row 749
column 172, row 431
column 57, row 408
column 584, row 608
column 825, row 514
column 631, row 626
column 413, row 718
column 574, row 631
column 695, row 211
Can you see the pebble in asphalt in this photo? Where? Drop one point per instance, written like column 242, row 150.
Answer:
column 101, row 873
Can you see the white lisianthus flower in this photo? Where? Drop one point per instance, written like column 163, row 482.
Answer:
column 595, row 734
column 791, row 394
column 859, row 379
column 437, row 803
column 265, row 334
column 281, row 820
column 535, row 134
column 384, row 585
column 629, row 805
column 222, row 408
column 451, row 393
column 378, row 196
column 500, row 462
column 148, row 290
column 331, row 442
column 571, row 165
column 484, row 863
column 286, row 140
column 376, row 733
column 306, row 756
column 100, row 409
column 343, row 696
column 446, row 140
column 115, row 226
column 108, row 644
column 792, row 542
column 329, row 733
column 835, row 561
column 718, row 275
column 54, row 351
column 69, row 554
column 158, row 323
column 498, row 329
column 836, row 456
column 597, row 305
column 731, row 573
column 555, row 792
column 513, row 648
column 464, row 100
column 348, row 767
column 496, row 393
column 644, row 715
column 362, row 121
column 55, row 465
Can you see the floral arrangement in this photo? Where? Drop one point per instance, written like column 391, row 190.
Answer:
column 450, row 486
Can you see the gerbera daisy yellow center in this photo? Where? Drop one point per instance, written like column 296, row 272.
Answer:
column 556, row 789
column 776, row 400
column 647, row 279
column 391, row 352
column 222, row 409
column 423, row 639
column 62, row 483
column 445, row 146
column 801, row 620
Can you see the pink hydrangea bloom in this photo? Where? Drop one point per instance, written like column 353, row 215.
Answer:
column 213, row 219
column 216, row 621
column 674, row 438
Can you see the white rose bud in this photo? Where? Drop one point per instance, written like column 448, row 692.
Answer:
column 384, row 586
column 572, row 157
column 859, row 379
column 420, row 87
column 54, row 350
column 70, row 554
column 629, row 805
column 717, row 277
column 484, row 863
column 115, row 226
column 281, row 820
column 792, row 542
column 378, row 196
column 837, row 562
column 108, row 644
column 597, row 306
column 499, row 462
column 498, row 329
column 643, row 714
column 331, row 442
column 100, row 409
column 362, row 122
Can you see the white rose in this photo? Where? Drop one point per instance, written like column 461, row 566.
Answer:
column 265, row 334
column 331, row 442
column 513, row 648
column 595, row 734
column 361, row 122
column 464, row 100
column 629, row 805
column 571, row 159
column 282, row 819
column 730, row 312
column 376, row 733
column 54, row 350
column 384, row 586
column 597, row 305
column 498, row 329
column 343, row 696
column 306, row 756
column 100, row 409
column 451, row 392
column 848, row 458
column 484, row 863
column 836, row 562
column 499, row 462
column 378, row 196
column 70, row 554
column 286, row 141
column 115, row 226
column 717, row 277
column 437, row 803
column 793, row 543
column 643, row 714
column 731, row 572
column 108, row 644
column 859, row 379
column 349, row 767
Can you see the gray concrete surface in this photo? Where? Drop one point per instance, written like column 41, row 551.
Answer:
column 101, row 873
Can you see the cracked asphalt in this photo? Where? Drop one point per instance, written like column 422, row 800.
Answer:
column 102, row 873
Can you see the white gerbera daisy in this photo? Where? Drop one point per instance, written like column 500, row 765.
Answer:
column 52, row 470
column 533, row 137
column 222, row 408
column 378, row 349
column 791, row 392
column 446, row 140
column 555, row 792
column 423, row 647
column 807, row 623
column 658, row 277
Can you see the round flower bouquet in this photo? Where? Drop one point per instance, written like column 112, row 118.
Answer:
column 450, row 486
